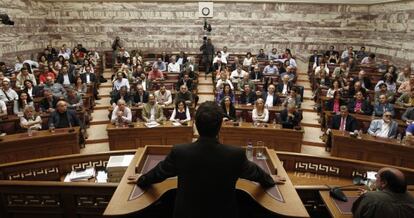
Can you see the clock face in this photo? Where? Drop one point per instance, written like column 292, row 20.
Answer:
column 205, row 11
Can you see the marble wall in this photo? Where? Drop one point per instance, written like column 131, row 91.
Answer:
column 174, row 26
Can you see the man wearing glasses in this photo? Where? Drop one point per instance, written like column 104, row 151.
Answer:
column 385, row 127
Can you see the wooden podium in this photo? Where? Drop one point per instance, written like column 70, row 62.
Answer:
column 128, row 198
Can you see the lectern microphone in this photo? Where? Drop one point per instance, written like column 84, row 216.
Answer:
column 337, row 193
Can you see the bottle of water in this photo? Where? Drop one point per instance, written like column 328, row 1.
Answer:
column 249, row 151
column 399, row 138
column 373, row 115
column 30, row 131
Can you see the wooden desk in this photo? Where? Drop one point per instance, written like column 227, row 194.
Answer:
column 274, row 137
column 373, row 149
column 20, row 146
column 140, row 135
column 121, row 202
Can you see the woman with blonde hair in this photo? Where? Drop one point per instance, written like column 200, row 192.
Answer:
column 260, row 113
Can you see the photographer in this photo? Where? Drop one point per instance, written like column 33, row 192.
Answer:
column 207, row 57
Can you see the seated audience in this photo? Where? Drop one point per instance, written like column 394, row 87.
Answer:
column 218, row 66
column 23, row 101
column 120, row 81
column 361, row 54
column 407, row 86
column 334, row 104
column 383, row 105
column 260, row 114
column 292, row 61
column 229, row 111
column 187, row 81
column 219, row 58
column 140, row 97
column 246, row 81
column 19, row 65
column 341, row 72
column 7, row 94
column 184, row 95
column 6, row 71
column 223, row 80
column 30, row 119
column 3, row 109
column 62, row 117
column 335, row 87
column 88, row 77
column 31, row 90
column 152, row 112
column 389, row 80
column 163, row 96
column 181, row 113
column 80, row 87
column 256, row 74
column 173, row 66
column 261, row 55
column 391, row 199
column 160, row 65
column 323, row 68
column 363, row 79
column 290, row 117
column 23, row 76
column 247, row 96
column 155, row 74
column 356, row 87
column 56, row 88
column 65, row 78
column 410, row 130
column 273, row 54
column 368, row 60
column 270, row 97
column 385, row 127
column 121, row 95
column 408, row 115
column 247, row 61
column 406, row 99
column 293, row 99
column 121, row 115
column 284, row 86
column 359, row 105
column 74, row 100
column 290, row 72
column 225, row 92
column 182, row 58
column 404, row 76
column 48, row 103
column 271, row 69
column 224, row 53
column 344, row 121
column 237, row 74
column 384, row 91
column 348, row 52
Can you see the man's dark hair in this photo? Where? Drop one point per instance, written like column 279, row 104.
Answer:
column 2, row 63
column 372, row 55
column 395, row 184
column 208, row 119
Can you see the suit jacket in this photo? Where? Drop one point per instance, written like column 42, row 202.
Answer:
column 189, row 84
column 376, row 125
column 290, row 122
column 279, row 87
column 44, row 103
column 408, row 114
column 351, row 124
column 258, row 75
column 276, row 99
column 92, row 78
column 365, row 107
column 117, row 96
column 37, row 91
column 379, row 109
column 365, row 80
column 312, row 59
column 71, row 116
column 247, row 98
column 146, row 112
column 137, row 98
column 207, row 173
column 60, row 79
column 231, row 114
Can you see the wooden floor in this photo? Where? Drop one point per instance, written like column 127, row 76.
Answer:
column 98, row 138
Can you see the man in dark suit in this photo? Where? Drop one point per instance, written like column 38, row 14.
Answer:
column 290, row 117
column 207, row 171
column 141, row 96
column 48, row 103
column 284, row 86
column 62, row 117
column 64, row 77
column 344, row 121
column 247, row 96
column 315, row 58
column 89, row 77
column 185, row 81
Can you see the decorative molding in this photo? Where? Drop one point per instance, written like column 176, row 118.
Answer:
column 84, row 165
column 317, row 168
column 33, row 173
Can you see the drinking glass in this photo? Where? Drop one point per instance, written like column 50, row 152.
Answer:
column 260, row 150
column 52, row 127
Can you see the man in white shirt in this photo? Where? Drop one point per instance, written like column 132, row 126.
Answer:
column 160, row 65
column 346, row 53
column 368, row 60
column 220, row 57
column 120, row 81
column 121, row 114
column 173, row 66
column 273, row 55
column 270, row 96
column 163, row 96
column 3, row 108
column 292, row 61
column 6, row 93
column 385, row 127
column 223, row 80
column 225, row 54
column 271, row 69
column 238, row 74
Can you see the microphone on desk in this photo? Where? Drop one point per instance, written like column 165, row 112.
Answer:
column 337, row 193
